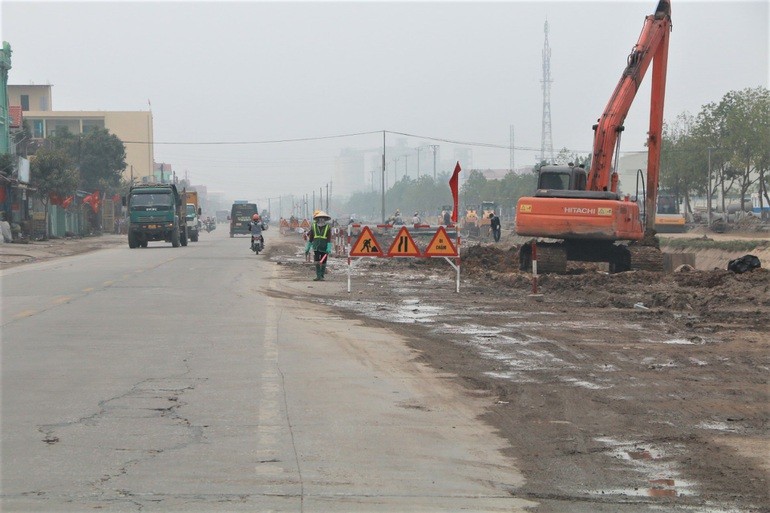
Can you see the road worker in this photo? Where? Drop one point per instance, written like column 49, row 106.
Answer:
column 494, row 225
column 320, row 240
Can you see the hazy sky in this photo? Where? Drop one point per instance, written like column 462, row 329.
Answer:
column 256, row 71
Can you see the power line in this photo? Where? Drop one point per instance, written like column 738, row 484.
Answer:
column 507, row 147
column 273, row 141
column 451, row 141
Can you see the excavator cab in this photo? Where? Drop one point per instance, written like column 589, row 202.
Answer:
column 562, row 178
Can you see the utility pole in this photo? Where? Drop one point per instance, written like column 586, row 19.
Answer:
column 546, row 140
column 327, row 198
column 512, row 151
column 708, row 195
column 406, row 165
column 419, row 149
column 435, row 148
column 383, row 177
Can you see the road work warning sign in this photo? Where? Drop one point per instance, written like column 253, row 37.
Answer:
column 440, row 245
column 403, row 245
column 366, row 245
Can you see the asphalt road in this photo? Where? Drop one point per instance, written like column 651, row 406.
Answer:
column 188, row 379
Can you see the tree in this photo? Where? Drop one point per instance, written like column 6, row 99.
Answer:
column 567, row 156
column 683, row 160
column 99, row 156
column 52, row 173
column 23, row 139
column 475, row 189
column 745, row 116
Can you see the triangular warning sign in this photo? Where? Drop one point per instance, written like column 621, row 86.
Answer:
column 403, row 245
column 366, row 245
column 440, row 245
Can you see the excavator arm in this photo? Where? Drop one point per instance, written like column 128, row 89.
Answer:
column 652, row 47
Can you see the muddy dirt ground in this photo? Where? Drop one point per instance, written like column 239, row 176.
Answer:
column 634, row 392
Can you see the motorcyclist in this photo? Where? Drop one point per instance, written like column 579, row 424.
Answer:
column 255, row 227
column 319, row 239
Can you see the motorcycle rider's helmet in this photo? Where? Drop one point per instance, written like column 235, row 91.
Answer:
column 255, row 217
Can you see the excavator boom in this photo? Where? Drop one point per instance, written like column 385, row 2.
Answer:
column 652, row 47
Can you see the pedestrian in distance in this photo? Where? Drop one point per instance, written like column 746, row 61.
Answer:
column 447, row 217
column 6, row 234
column 416, row 218
column 494, row 225
column 319, row 239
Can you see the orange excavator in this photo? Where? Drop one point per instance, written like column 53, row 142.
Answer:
column 584, row 209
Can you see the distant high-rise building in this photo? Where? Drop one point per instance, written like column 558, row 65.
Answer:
column 349, row 174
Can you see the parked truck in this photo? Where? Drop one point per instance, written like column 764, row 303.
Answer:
column 156, row 212
column 193, row 215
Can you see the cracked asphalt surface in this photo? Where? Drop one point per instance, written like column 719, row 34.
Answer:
column 192, row 379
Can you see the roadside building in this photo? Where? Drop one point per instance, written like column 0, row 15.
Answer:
column 134, row 128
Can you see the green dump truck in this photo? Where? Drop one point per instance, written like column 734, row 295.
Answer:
column 156, row 212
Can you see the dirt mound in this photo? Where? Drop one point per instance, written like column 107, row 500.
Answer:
column 489, row 258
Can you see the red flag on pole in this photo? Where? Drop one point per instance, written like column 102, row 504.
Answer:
column 453, row 186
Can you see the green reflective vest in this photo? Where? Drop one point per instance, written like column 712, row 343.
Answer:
column 320, row 237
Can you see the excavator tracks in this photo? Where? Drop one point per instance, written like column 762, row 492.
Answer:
column 645, row 258
column 551, row 257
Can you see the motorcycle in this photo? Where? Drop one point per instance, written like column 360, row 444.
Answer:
column 257, row 244
column 210, row 226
